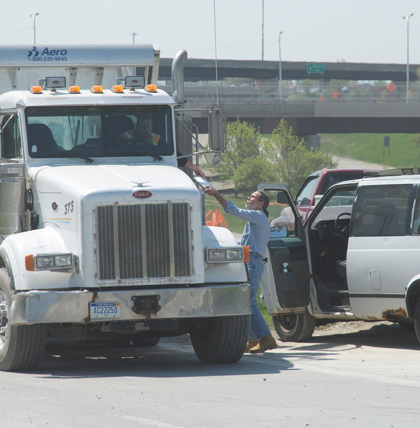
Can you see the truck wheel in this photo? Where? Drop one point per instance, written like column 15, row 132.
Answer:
column 294, row 327
column 417, row 320
column 222, row 339
column 21, row 346
column 145, row 341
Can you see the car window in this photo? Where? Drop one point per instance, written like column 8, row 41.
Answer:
column 281, row 217
column 338, row 178
column 382, row 210
column 415, row 227
column 339, row 202
column 303, row 197
column 10, row 137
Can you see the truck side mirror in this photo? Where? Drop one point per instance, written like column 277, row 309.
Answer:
column 217, row 135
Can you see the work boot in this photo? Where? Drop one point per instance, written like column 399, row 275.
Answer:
column 266, row 343
column 252, row 344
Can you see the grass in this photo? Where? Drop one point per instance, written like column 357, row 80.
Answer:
column 404, row 150
column 265, row 312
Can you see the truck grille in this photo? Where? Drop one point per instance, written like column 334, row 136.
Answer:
column 143, row 241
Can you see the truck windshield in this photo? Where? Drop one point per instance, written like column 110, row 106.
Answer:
column 99, row 131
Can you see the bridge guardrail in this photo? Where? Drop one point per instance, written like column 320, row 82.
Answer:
column 293, row 92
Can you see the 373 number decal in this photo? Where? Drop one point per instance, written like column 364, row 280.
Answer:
column 69, row 208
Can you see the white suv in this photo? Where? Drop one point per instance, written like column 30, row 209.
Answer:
column 356, row 258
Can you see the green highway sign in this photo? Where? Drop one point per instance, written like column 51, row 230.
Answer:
column 315, row 68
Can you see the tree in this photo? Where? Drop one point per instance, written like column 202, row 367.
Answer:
column 243, row 143
column 291, row 159
column 252, row 172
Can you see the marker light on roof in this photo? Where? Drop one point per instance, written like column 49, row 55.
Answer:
column 74, row 89
column 117, row 88
column 151, row 88
column 97, row 89
column 36, row 89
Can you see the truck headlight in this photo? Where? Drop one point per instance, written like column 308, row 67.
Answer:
column 236, row 255
column 226, row 254
column 36, row 262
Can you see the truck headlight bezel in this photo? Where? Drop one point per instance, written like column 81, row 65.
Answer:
column 64, row 262
column 225, row 255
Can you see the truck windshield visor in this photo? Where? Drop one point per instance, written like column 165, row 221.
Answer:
column 99, row 131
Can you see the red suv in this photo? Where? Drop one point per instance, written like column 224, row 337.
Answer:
column 317, row 184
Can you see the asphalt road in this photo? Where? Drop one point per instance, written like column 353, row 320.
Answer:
column 368, row 378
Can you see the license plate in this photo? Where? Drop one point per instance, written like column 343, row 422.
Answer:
column 105, row 310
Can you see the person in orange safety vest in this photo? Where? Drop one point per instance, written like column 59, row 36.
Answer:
column 142, row 132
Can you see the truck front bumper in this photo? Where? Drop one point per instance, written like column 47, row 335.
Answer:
column 48, row 306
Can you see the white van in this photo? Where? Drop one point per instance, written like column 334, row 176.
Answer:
column 356, row 258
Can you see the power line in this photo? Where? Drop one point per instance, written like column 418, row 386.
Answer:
column 15, row 31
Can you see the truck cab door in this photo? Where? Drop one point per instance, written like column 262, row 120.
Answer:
column 285, row 284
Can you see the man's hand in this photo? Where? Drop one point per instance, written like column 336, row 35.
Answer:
column 211, row 191
column 194, row 168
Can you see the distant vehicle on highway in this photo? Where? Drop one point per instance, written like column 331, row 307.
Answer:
column 312, row 190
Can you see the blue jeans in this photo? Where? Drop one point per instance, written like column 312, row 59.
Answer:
column 259, row 327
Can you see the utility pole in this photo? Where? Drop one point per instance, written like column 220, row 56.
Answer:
column 33, row 17
column 262, row 38
column 134, row 37
column 280, row 79
column 408, row 52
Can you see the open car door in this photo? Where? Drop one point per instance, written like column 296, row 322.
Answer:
column 285, row 284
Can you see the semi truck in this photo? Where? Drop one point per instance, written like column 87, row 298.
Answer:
column 103, row 237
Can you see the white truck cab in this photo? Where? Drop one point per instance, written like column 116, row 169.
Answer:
column 356, row 258
column 102, row 235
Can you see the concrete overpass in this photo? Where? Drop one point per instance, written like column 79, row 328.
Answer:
column 204, row 69
column 321, row 117
column 333, row 109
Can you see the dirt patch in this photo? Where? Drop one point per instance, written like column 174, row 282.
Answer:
column 352, row 327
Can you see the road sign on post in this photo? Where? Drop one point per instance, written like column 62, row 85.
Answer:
column 386, row 142
column 315, row 68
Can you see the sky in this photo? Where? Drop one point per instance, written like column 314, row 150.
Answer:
column 368, row 31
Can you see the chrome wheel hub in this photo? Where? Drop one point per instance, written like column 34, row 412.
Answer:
column 4, row 319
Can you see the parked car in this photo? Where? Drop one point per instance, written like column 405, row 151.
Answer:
column 356, row 257
column 313, row 187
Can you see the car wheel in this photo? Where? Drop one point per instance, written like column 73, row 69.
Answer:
column 221, row 339
column 21, row 346
column 294, row 327
column 145, row 341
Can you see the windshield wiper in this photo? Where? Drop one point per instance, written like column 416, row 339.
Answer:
column 78, row 155
column 136, row 153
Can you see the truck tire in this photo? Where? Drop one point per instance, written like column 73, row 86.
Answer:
column 21, row 346
column 145, row 341
column 222, row 340
column 294, row 327
column 417, row 320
